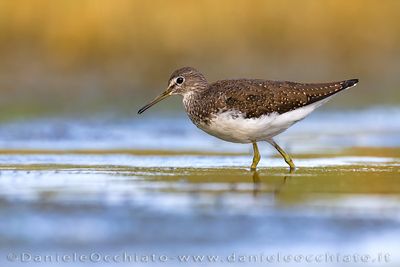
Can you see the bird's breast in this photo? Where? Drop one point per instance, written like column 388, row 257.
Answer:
column 234, row 127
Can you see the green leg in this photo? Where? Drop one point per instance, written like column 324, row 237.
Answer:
column 286, row 156
column 256, row 157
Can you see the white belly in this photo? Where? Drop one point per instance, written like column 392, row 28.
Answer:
column 233, row 127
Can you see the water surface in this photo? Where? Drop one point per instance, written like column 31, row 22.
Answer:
column 158, row 185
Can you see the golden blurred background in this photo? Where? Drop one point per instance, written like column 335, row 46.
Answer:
column 97, row 55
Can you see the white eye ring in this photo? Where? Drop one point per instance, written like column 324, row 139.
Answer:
column 179, row 80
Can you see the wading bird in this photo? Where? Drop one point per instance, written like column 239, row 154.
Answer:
column 247, row 110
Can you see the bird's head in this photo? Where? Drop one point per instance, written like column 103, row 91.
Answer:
column 183, row 81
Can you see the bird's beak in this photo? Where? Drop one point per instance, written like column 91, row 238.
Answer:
column 166, row 94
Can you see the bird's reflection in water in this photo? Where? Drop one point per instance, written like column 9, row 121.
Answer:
column 258, row 183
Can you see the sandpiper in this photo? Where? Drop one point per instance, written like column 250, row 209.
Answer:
column 247, row 110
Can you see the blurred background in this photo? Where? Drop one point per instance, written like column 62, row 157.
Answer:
column 86, row 56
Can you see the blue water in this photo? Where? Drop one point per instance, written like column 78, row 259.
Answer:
column 197, row 204
column 378, row 126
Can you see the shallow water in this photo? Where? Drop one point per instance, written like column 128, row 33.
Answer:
column 158, row 185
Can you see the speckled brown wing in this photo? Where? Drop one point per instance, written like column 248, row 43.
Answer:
column 258, row 97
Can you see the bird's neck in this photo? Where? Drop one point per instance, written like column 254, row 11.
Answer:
column 195, row 90
column 190, row 96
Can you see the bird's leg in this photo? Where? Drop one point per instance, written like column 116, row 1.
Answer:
column 286, row 156
column 256, row 157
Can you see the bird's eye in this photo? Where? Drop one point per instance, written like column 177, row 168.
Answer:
column 180, row 80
